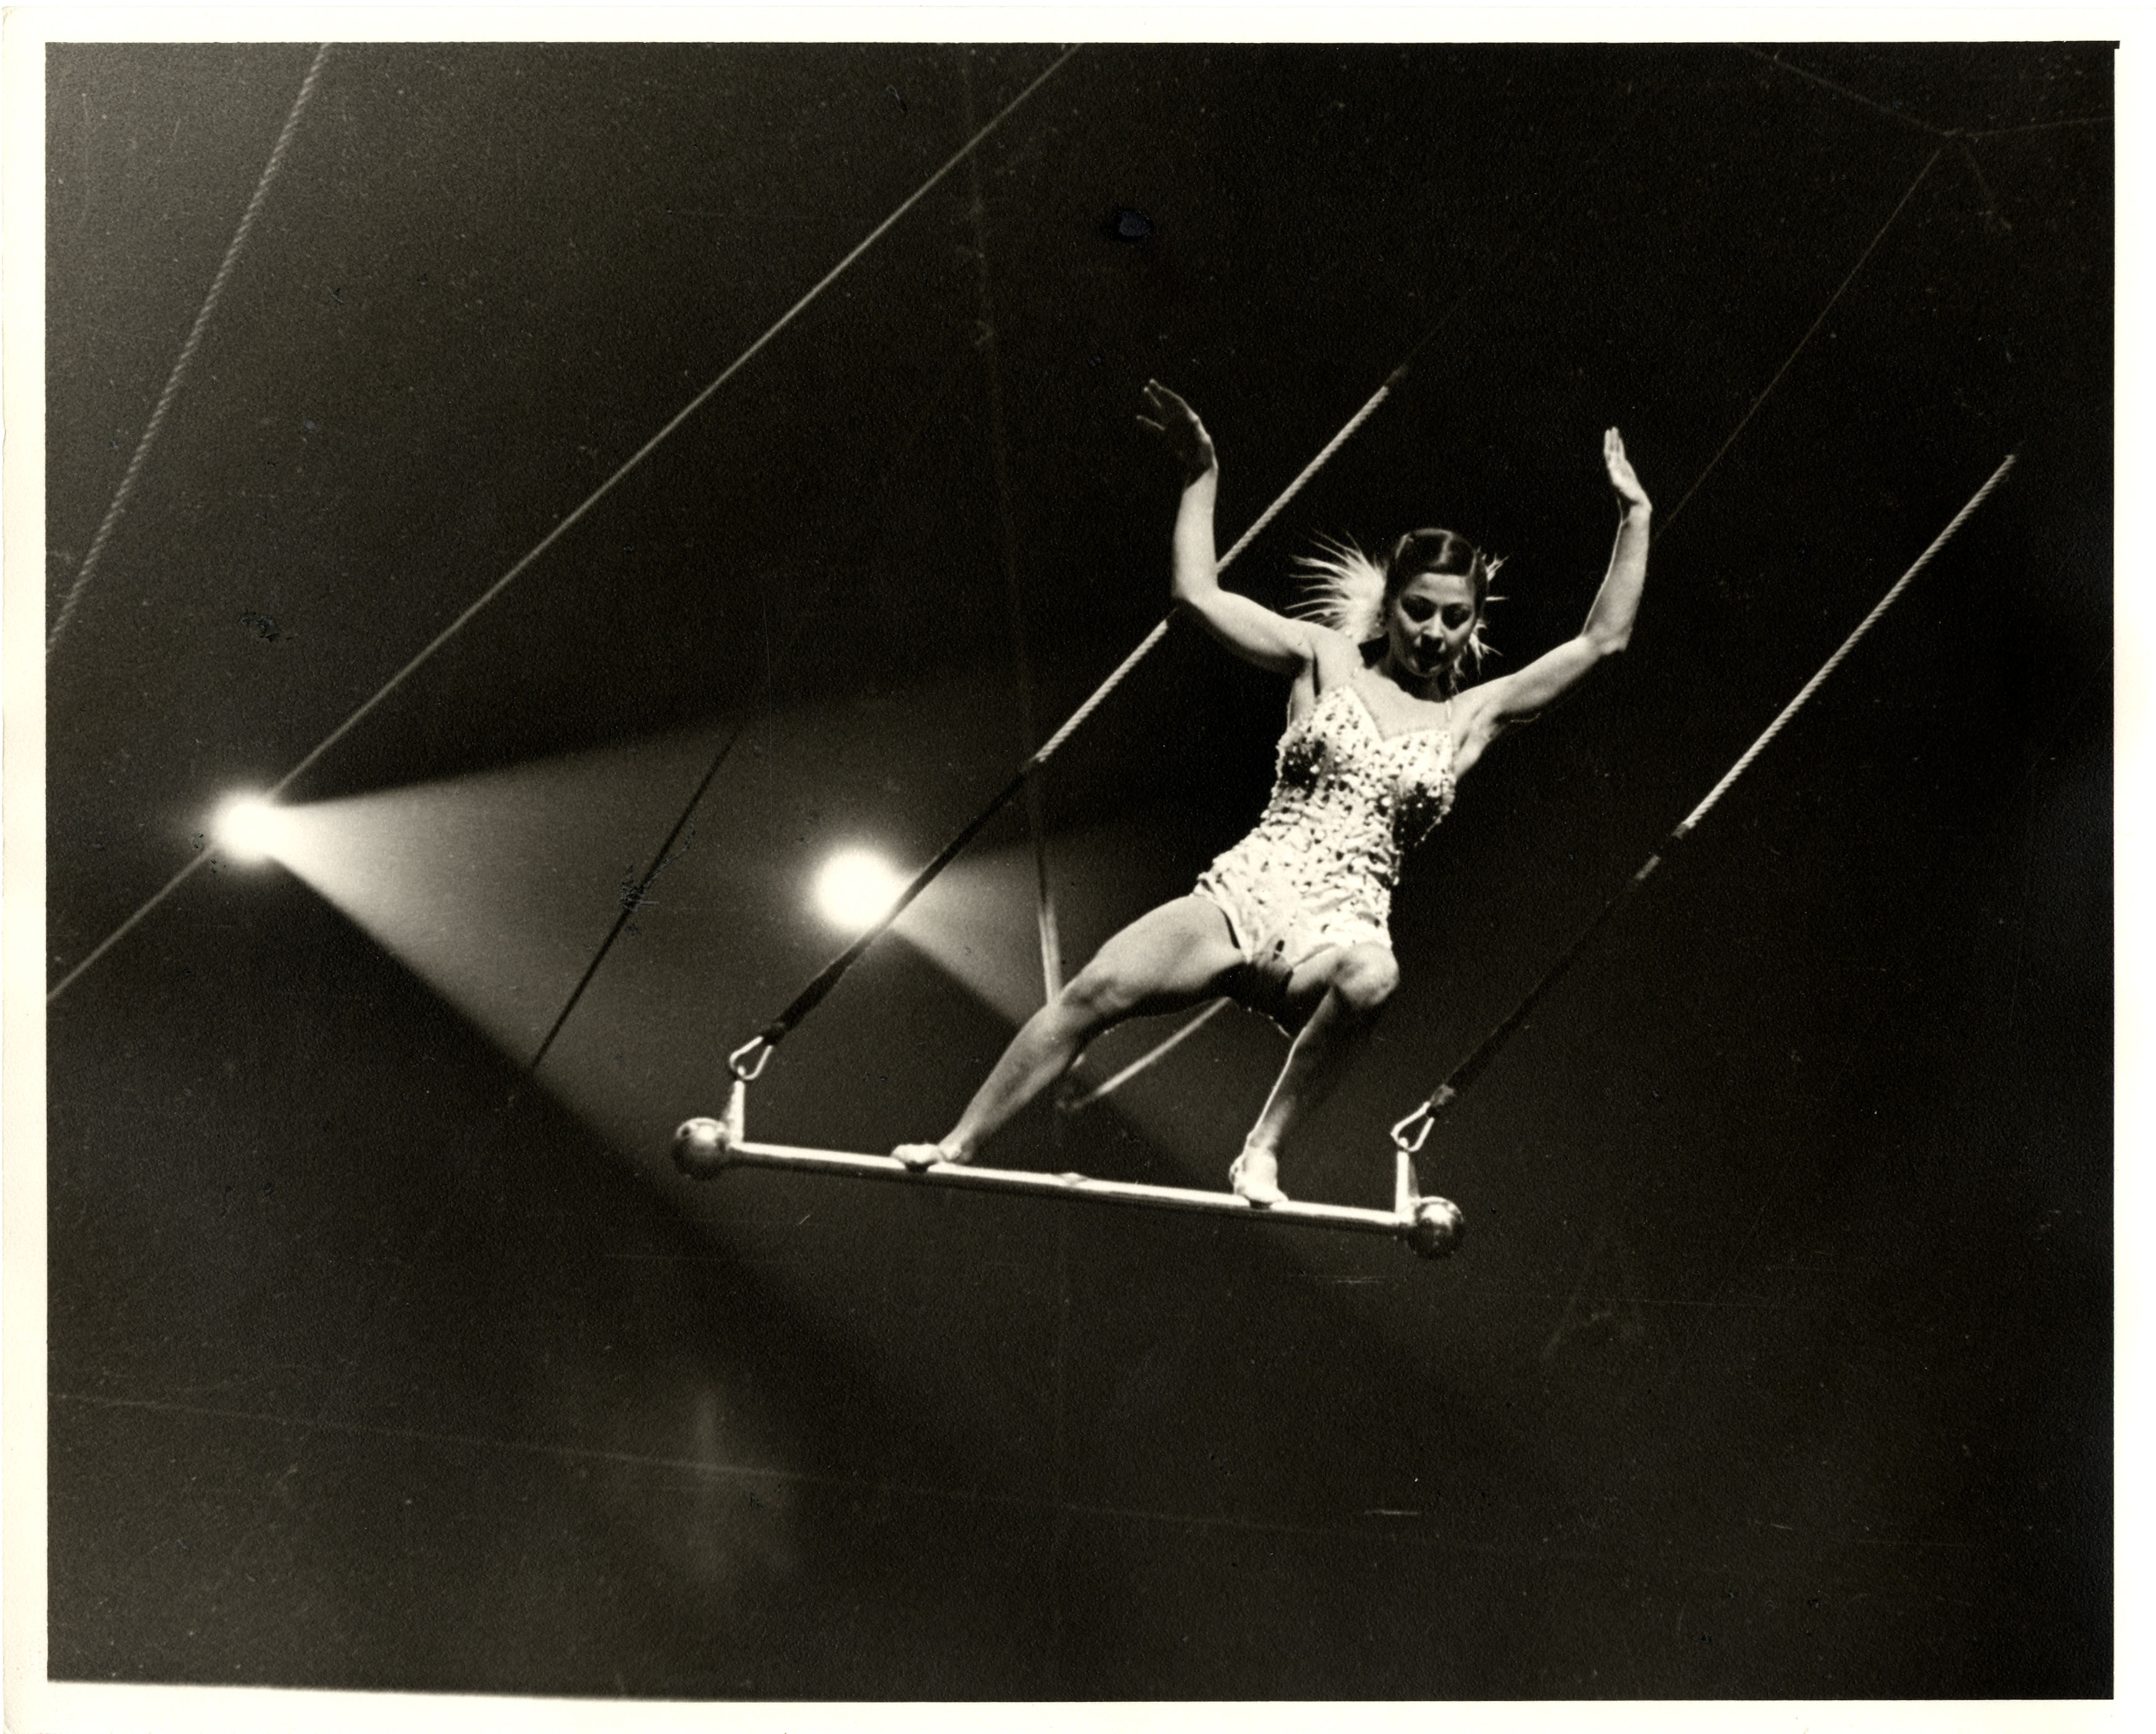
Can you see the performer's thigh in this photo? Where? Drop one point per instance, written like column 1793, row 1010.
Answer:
column 1168, row 958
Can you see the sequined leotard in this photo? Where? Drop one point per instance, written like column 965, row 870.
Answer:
column 1348, row 802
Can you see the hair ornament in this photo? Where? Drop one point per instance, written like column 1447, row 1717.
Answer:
column 1477, row 646
column 1343, row 588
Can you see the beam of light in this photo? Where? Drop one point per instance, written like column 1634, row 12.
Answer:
column 497, row 887
column 976, row 924
column 494, row 889
column 248, row 828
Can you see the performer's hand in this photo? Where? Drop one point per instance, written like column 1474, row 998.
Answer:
column 1629, row 494
column 1178, row 424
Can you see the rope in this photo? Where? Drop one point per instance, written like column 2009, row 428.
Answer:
column 76, row 590
column 1181, row 1033
column 1408, row 1134
column 1834, row 661
column 633, row 894
column 990, row 347
column 1745, row 420
column 555, row 535
column 1893, row 113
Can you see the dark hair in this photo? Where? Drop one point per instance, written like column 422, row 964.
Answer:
column 1444, row 551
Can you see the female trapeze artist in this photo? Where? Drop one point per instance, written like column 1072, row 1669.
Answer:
column 1292, row 920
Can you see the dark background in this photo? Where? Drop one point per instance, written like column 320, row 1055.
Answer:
column 1776, row 1361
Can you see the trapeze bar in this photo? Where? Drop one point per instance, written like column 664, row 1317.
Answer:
column 1066, row 1185
column 702, row 1148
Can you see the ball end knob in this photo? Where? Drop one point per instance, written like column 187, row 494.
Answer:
column 1438, row 1225
column 702, row 1148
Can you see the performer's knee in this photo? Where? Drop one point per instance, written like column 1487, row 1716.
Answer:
column 1364, row 978
column 1096, row 998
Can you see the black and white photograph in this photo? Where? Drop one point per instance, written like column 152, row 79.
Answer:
column 1064, row 873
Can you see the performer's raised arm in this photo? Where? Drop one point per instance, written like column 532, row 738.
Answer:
column 1253, row 631
column 1518, row 697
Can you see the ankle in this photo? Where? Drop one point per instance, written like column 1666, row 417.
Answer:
column 1254, row 1175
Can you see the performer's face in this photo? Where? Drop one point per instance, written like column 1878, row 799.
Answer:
column 1430, row 621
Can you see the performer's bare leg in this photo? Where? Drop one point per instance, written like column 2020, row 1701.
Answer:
column 1165, row 961
column 1350, row 986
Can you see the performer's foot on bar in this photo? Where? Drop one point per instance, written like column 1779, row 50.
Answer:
column 1254, row 1175
column 920, row 1158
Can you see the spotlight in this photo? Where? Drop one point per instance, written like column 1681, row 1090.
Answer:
column 856, row 888
column 246, row 828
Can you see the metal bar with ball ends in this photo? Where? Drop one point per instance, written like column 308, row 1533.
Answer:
column 704, row 1148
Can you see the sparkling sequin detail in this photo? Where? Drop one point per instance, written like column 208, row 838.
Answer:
column 1348, row 805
